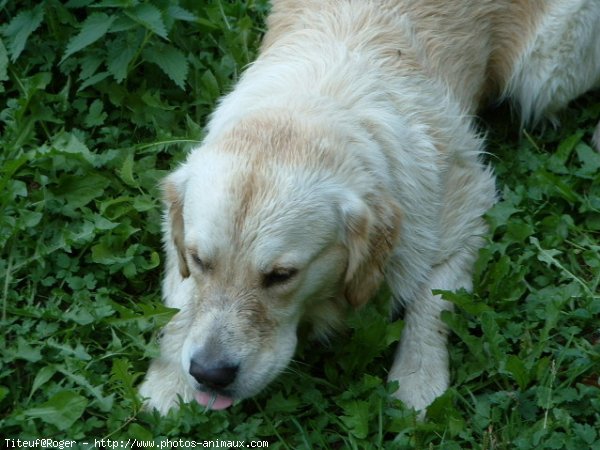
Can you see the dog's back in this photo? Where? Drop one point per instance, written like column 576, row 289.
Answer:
column 541, row 54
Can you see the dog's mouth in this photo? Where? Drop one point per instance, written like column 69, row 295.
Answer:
column 213, row 401
column 231, row 376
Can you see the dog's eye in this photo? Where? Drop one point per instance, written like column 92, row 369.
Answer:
column 278, row 276
column 200, row 263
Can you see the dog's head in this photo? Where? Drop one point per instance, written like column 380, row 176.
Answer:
column 268, row 226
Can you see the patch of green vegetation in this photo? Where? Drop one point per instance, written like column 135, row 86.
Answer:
column 98, row 99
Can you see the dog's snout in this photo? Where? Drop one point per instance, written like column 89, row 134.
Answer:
column 214, row 376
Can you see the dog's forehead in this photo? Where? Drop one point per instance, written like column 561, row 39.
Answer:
column 233, row 206
column 206, row 196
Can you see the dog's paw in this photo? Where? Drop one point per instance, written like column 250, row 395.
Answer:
column 163, row 388
column 420, row 381
column 418, row 390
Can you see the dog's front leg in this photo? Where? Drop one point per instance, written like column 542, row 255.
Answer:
column 163, row 385
column 165, row 380
column 421, row 361
column 421, row 364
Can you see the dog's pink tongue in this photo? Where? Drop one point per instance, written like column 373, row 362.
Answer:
column 220, row 401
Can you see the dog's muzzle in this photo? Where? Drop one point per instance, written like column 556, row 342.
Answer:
column 217, row 376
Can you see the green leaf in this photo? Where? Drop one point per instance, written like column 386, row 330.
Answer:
column 3, row 392
column 140, row 433
column 97, row 78
column 3, row 65
column 585, row 432
column 123, row 376
column 94, row 28
column 31, row 218
column 150, row 17
column 464, row 300
column 35, row 83
column 356, row 418
column 443, row 410
column 160, row 313
column 102, row 223
column 560, row 157
column 78, row 3
column 500, row 213
column 79, row 315
column 18, row 188
column 171, row 60
column 519, row 231
column 179, row 13
column 559, row 185
column 114, row 3
column 26, row 351
column 278, row 403
column 102, row 254
column 123, row 23
column 95, row 116
column 41, row 378
column 120, row 55
column 61, row 410
column 210, row 85
column 547, row 256
column 590, row 161
column 206, row 25
column 79, row 191
column 89, row 64
column 126, row 171
column 393, row 332
column 517, row 369
column 143, row 203
column 20, row 28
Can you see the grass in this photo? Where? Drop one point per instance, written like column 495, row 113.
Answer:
column 99, row 99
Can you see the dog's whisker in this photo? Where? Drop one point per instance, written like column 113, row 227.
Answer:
column 211, row 402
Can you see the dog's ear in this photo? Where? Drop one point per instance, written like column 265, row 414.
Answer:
column 371, row 235
column 172, row 188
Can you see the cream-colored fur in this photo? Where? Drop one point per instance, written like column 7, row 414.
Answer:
column 346, row 156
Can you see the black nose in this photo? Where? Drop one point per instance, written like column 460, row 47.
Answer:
column 218, row 376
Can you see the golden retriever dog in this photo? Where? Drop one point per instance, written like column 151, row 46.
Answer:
column 346, row 157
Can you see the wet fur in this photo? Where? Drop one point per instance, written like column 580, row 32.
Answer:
column 348, row 150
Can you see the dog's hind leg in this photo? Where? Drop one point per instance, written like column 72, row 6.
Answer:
column 561, row 63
